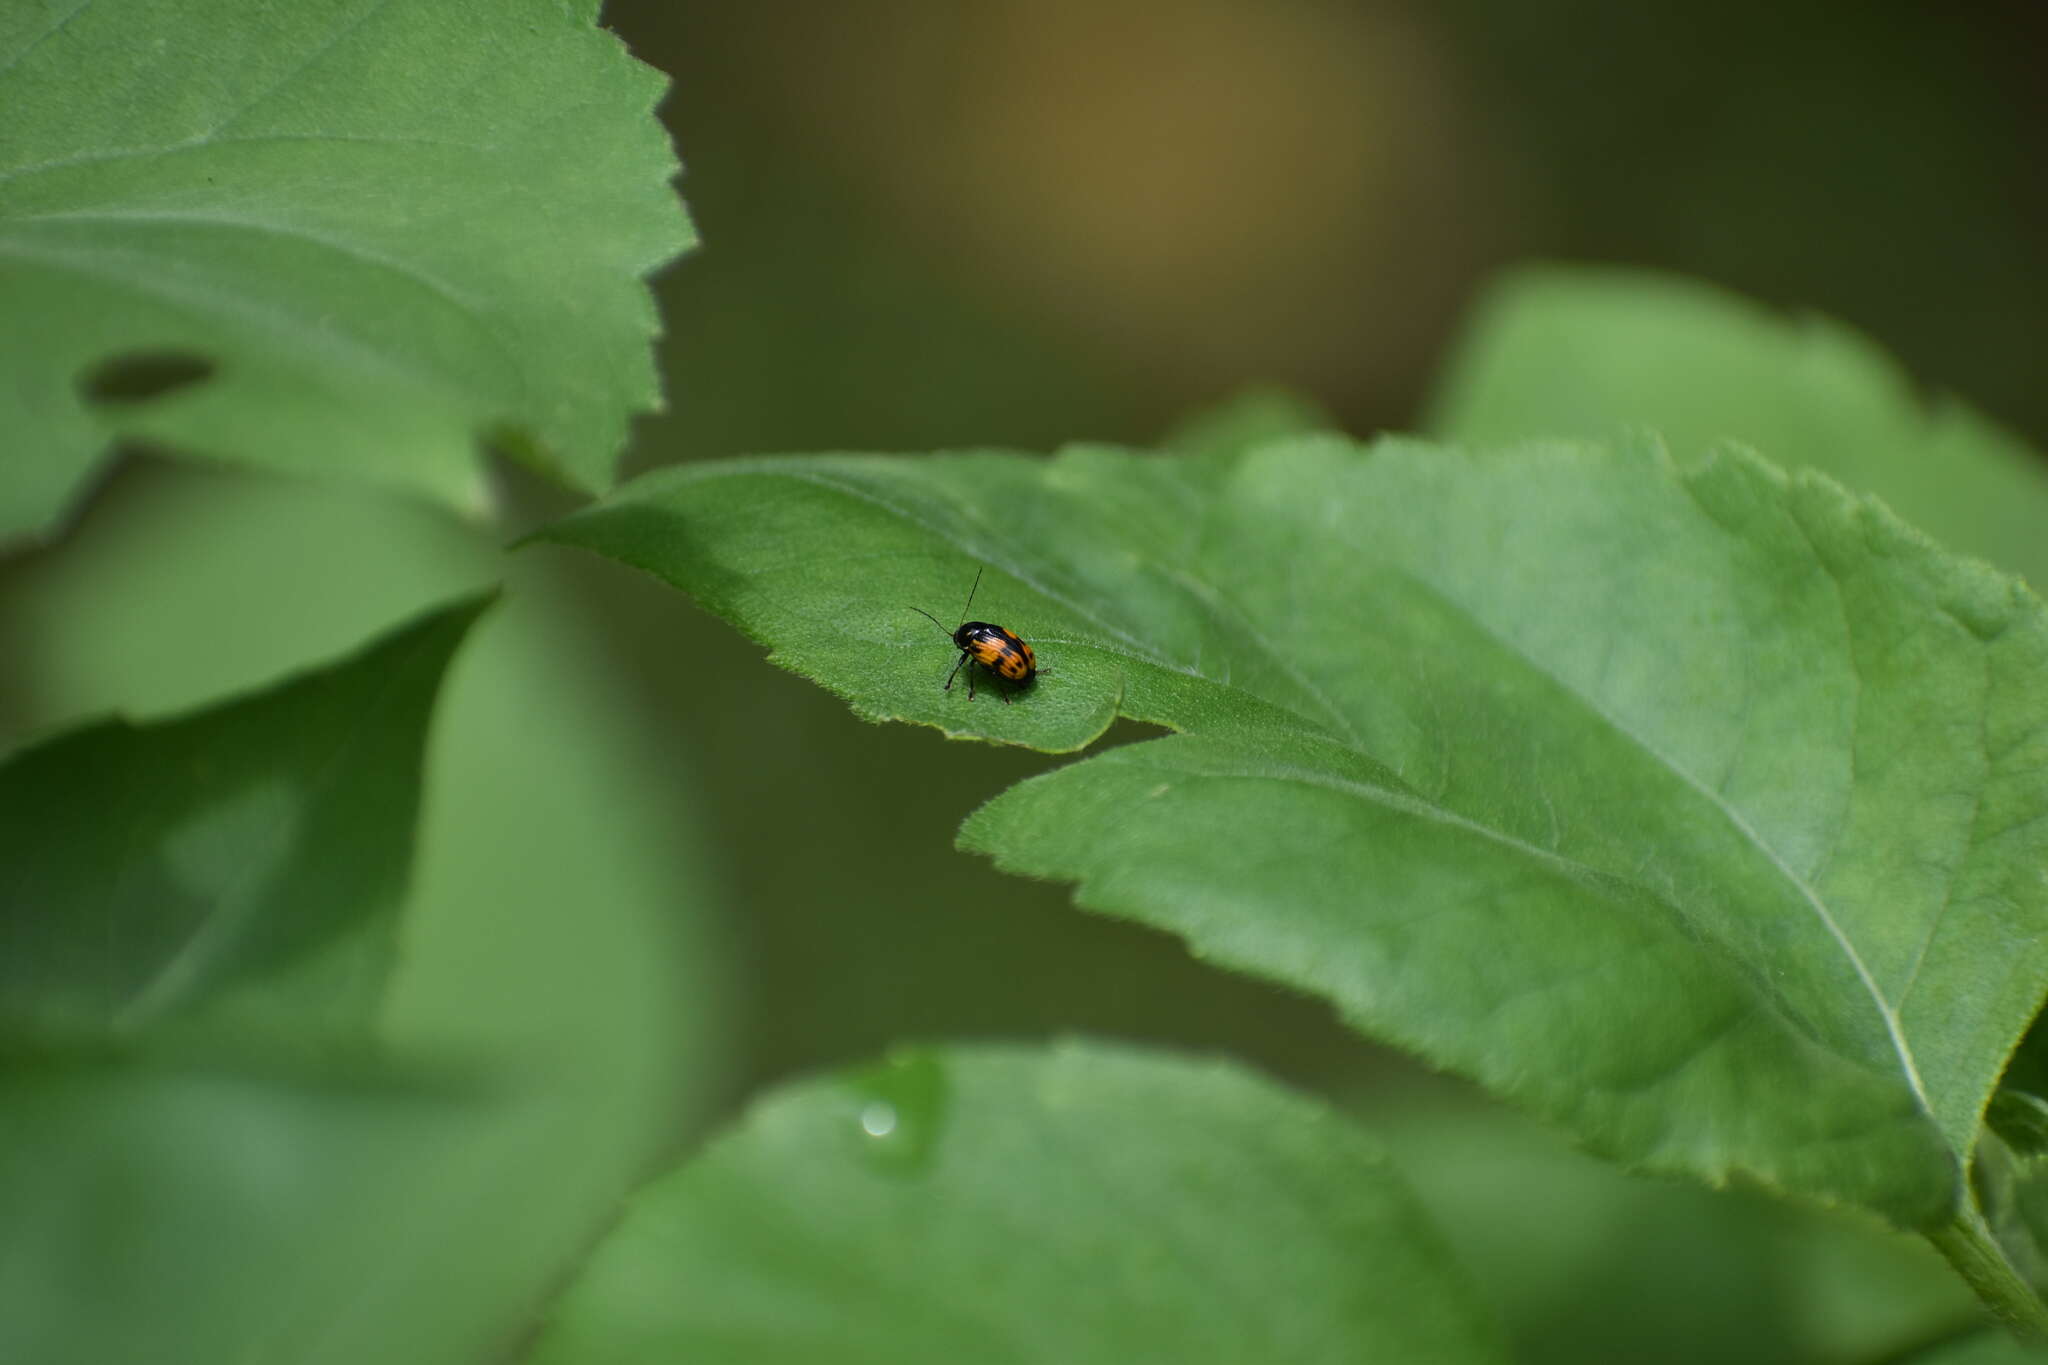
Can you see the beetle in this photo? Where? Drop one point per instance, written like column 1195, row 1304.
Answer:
column 1007, row 658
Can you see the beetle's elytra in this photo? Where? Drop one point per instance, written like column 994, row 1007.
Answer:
column 1007, row 658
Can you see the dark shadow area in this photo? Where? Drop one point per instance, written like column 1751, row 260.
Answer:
column 143, row 376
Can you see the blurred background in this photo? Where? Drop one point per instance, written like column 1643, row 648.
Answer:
column 1030, row 222
column 1019, row 224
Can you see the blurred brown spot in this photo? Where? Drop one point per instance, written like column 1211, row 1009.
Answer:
column 1201, row 192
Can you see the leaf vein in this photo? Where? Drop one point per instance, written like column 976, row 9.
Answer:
column 1749, row 833
column 47, row 34
column 304, row 65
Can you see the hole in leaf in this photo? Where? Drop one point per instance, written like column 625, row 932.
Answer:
column 140, row 376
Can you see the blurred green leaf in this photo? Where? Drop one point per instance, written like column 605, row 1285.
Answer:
column 271, row 580
column 1254, row 417
column 1980, row 1348
column 187, row 1209
column 2010, row 1179
column 248, row 860
column 1587, row 352
column 347, row 239
column 2021, row 1118
column 219, row 1206
column 1700, row 808
column 1555, row 1239
column 1082, row 1204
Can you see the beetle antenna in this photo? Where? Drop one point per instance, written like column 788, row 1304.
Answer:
column 970, row 597
column 931, row 618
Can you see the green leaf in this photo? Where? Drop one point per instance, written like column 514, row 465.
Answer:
column 271, row 580
column 191, row 1209
column 346, row 239
column 1082, row 1204
column 246, row 861
column 1979, row 1348
column 2009, row 1180
column 1701, row 808
column 1254, row 417
column 1556, row 1238
column 213, row 1208
column 1594, row 352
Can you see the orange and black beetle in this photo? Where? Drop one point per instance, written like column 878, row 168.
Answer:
column 1007, row 658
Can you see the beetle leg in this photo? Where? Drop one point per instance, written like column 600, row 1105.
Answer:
column 955, row 672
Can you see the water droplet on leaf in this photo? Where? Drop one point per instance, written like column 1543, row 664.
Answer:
column 901, row 1107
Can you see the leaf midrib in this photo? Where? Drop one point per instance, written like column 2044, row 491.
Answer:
column 439, row 288
column 244, row 309
column 770, row 467
column 203, row 944
column 1729, row 813
column 208, row 141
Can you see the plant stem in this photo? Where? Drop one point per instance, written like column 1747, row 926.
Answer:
column 1974, row 1252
